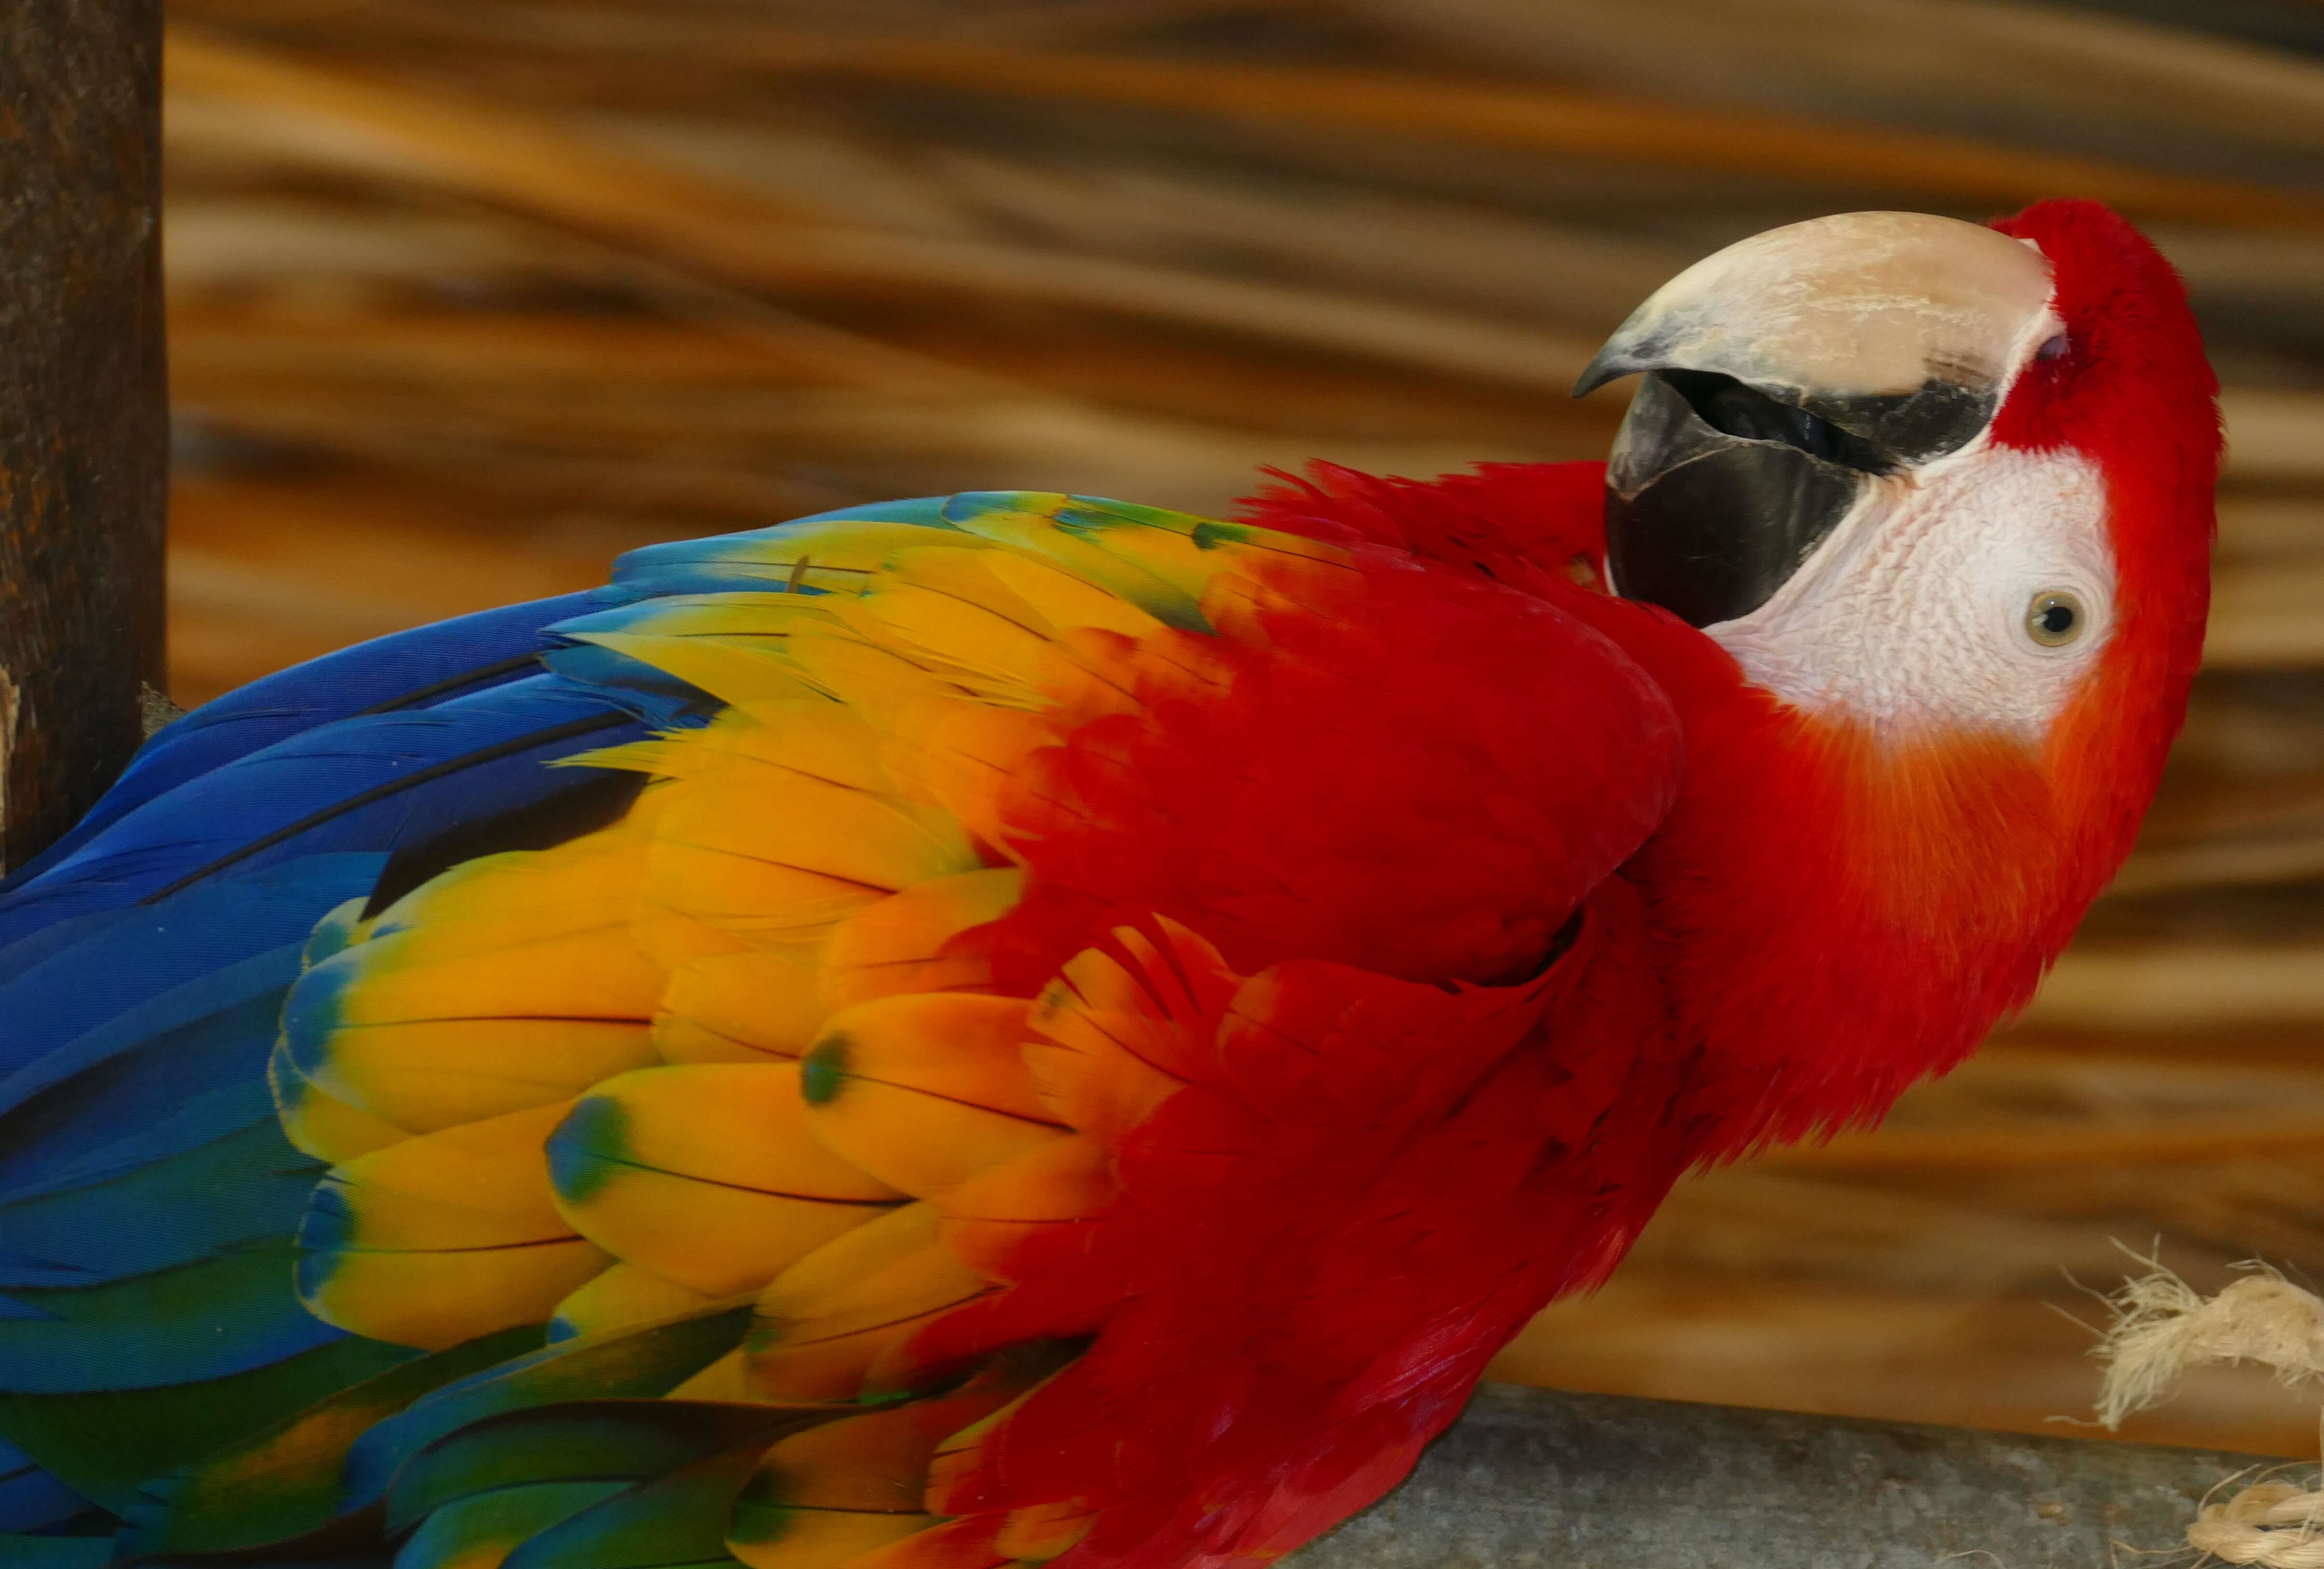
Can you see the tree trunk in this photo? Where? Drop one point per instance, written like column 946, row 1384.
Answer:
column 84, row 419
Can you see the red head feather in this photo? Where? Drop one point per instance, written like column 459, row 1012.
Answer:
column 1847, row 908
column 2133, row 392
column 1841, row 909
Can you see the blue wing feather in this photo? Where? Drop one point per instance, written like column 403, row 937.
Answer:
column 147, row 1195
column 351, row 784
column 463, row 655
column 29, row 1498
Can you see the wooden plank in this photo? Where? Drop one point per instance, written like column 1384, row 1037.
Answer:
column 2017, row 1360
column 84, row 449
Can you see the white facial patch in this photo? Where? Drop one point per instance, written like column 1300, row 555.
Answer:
column 1915, row 613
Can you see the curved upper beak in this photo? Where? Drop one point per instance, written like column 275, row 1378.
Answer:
column 1788, row 371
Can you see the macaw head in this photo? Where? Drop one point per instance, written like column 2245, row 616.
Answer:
column 1943, row 494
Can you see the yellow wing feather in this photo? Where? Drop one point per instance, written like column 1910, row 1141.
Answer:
column 824, row 1323
column 320, row 1123
column 704, row 1175
column 987, row 1216
column 745, row 1040
column 750, row 1006
column 623, row 1297
column 912, row 941
column 444, row 1237
column 925, row 1091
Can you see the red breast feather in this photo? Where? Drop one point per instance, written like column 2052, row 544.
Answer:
column 1398, row 767
column 1375, row 791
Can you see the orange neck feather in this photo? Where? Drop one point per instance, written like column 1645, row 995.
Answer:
column 1839, row 913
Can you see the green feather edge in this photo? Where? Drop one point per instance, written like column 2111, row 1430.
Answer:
column 107, row 1445
column 285, row 1479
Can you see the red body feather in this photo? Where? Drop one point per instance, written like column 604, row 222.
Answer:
column 1367, row 1186
column 1188, row 1030
column 1782, row 921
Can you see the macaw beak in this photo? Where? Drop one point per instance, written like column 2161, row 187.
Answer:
column 1785, row 376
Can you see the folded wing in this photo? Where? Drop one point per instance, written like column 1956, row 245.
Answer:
column 1045, row 1050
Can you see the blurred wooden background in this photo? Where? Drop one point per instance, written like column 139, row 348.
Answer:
column 469, row 294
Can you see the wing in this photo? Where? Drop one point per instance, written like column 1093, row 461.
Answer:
column 1050, row 1024
column 402, row 672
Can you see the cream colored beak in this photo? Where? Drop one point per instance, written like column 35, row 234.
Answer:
column 1786, row 375
column 1855, row 318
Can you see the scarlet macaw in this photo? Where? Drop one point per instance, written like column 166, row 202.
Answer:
column 1013, row 1027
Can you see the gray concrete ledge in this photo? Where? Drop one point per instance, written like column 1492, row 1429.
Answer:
column 1535, row 1479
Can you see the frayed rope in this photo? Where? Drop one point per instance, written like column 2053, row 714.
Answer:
column 2272, row 1524
column 2161, row 1327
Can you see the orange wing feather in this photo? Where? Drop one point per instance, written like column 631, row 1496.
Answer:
column 1015, row 939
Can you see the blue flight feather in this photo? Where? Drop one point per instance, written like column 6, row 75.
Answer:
column 254, row 809
column 29, row 1498
column 389, row 670
column 148, row 1197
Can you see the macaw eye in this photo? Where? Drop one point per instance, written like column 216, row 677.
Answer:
column 2053, row 347
column 2055, row 617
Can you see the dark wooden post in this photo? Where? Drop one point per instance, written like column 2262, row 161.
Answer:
column 84, row 419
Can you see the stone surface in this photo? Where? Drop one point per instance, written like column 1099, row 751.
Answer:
column 1535, row 1479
